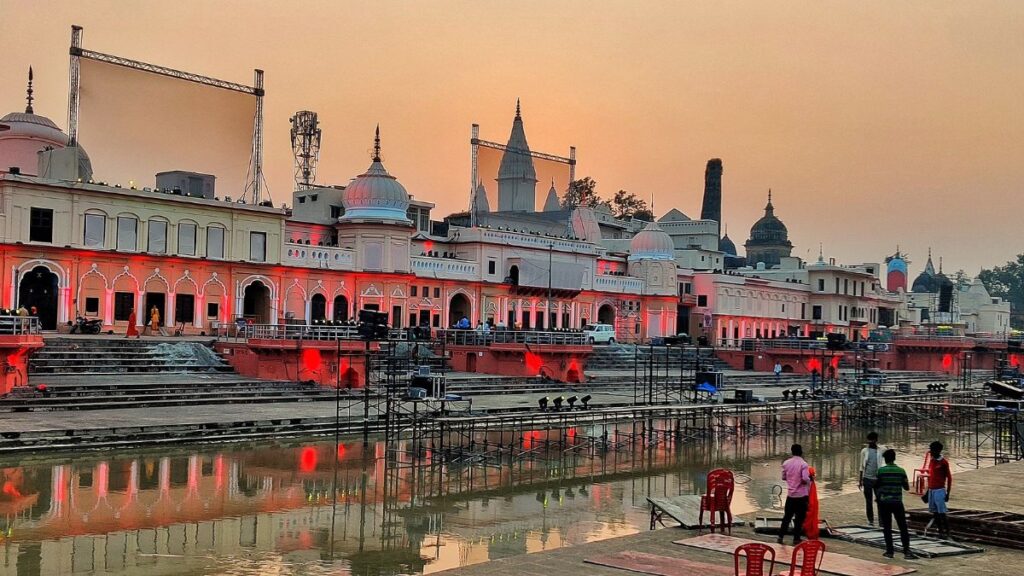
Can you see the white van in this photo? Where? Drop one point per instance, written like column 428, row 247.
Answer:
column 600, row 334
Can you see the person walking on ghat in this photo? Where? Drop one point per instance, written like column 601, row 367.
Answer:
column 890, row 483
column 940, row 483
column 870, row 461
column 133, row 330
column 796, row 474
column 778, row 372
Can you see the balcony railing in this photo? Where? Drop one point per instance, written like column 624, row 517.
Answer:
column 618, row 284
column 431, row 267
column 325, row 257
column 16, row 325
column 486, row 338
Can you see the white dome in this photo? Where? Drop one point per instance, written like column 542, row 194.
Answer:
column 652, row 243
column 376, row 195
column 23, row 135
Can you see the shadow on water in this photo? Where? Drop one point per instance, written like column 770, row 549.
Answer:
column 317, row 508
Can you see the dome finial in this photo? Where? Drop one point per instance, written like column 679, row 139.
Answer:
column 517, row 108
column 376, row 145
column 821, row 253
column 28, row 108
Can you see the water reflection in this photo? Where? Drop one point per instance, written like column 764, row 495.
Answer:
column 311, row 508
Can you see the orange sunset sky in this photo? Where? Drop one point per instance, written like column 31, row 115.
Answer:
column 875, row 123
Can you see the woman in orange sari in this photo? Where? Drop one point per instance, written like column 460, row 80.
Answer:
column 132, row 329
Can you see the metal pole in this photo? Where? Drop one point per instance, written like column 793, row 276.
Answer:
column 366, row 393
column 76, row 50
column 257, row 140
column 551, row 253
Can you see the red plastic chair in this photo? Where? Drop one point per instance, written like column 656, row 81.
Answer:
column 921, row 475
column 718, row 501
column 755, row 553
column 807, row 557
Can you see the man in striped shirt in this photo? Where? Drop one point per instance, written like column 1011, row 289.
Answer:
column 889, row 487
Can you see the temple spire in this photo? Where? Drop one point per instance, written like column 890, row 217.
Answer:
column 28, row 108
column 376, row 145
column 517, row 108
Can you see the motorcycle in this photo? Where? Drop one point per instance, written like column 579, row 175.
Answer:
column 86, row 326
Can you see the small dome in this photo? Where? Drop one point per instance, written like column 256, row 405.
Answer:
column 727, row 246
column 652, row 243
column 23, row 136
column 928, row 282
column 375, row 194
column 769, row 229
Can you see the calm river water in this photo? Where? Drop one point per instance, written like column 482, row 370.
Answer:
column 267, row 508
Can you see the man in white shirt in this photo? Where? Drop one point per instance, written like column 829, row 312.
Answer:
column 870, row 461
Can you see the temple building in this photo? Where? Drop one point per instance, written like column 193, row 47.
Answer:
column 72, row 246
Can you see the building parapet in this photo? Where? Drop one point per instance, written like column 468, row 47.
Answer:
column 618, row 284
column 324, row 257
column 432, row 267
column 524, row 240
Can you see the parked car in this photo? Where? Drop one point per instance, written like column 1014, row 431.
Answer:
column 600, row 333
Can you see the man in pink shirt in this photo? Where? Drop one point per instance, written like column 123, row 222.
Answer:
column 797, row 476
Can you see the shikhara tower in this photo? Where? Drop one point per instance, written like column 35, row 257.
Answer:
column 517, row 177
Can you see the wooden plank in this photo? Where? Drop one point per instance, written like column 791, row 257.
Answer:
column 832, row 563
column 924, row 546
column 683, row 509
column 659, row 565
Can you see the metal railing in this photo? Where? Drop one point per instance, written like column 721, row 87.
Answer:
column 16, row 325
column 486, row 338
column 303, row 332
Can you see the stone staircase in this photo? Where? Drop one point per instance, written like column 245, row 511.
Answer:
column 624, row 356
column 123, row 356
column 81, row 373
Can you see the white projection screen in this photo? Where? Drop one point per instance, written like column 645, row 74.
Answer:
column 548, row 171
column 135, row 123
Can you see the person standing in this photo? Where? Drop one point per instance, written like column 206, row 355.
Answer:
column 940, row 484
column 132, row 330
column 890, row 483
column 154, row 320
column 869, row 463
column 796, row 474
column 778, row 372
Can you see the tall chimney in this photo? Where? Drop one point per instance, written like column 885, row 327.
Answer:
column 712, row 208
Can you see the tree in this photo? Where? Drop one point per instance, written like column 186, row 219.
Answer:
column 582, row 193
column 1007, row 281
column 626, row 205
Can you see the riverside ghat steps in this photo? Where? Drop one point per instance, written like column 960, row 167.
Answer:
column 95, row 373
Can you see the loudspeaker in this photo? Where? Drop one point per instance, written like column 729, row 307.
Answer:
column 715, row 379
column 836, row 341
column 1006, row 390
column 744, row 396
column 373, row 317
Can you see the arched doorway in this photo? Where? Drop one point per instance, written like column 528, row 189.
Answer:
column 340, row 308
column 458, row 309
column 318, row 307
column 39, row 288
column 256, row 303
column 606, row 315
